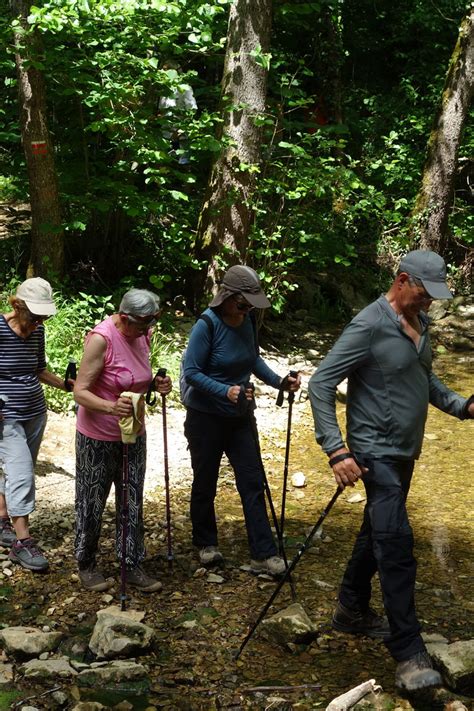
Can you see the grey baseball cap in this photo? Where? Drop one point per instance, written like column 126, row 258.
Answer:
column 241, row 280
column 430, row 269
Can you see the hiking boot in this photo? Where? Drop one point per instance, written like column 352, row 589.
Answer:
column 271, row 566
column 417, row 673
column 367, row 623
column 28, row 555
column 137, row 578
column 210, row 555
column 7, row 534
column 92, row 579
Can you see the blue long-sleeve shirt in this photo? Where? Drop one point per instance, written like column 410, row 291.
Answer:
column 390, row 384
column 219, row 358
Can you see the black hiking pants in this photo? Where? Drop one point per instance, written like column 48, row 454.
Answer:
column 209, row 437
column 385, row 545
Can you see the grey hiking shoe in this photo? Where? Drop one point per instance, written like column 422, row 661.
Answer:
column 7, row 534
column 28, row 555
column 271, row 566
column 210, row 555
column 367, row 623
column 92, row 579
column 417, row 673
column 137, row 578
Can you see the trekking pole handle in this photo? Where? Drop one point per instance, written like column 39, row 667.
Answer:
column 291, row 395
column 151, row 393
column 71, row 372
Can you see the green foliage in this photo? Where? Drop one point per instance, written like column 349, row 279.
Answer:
column 352, row 92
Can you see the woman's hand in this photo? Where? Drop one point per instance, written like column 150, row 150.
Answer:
column 292, row 384
column 249, row 393
column 163, row 385
column 233, row 393
column 122, row 407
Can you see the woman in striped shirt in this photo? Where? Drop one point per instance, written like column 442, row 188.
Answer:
column 23, row 415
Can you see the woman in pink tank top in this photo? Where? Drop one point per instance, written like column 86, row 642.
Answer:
column 116, row 359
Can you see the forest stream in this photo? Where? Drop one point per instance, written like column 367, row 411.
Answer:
column 199, row 623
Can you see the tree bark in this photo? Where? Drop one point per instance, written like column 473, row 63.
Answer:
column 228, row 212
column 47, row 235
column 435, row 198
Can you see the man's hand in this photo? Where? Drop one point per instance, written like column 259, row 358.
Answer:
column 470, row 410
column 346, row 472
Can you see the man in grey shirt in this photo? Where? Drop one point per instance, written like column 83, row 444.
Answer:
column 385, row 353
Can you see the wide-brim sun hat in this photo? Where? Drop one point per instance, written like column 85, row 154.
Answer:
column 240, row 279
column 38, row 296
column 430, row 269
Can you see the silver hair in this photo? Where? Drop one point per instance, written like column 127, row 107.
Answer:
column 139, row 302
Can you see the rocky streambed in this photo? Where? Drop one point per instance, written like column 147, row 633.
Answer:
column 176, row 649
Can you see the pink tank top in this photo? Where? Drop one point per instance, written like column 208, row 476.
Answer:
column 126, row 367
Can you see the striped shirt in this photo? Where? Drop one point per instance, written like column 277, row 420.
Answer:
column 20, row 361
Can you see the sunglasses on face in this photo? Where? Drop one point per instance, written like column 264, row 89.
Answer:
column 34, row 318
column 143, row 321
column 413, row 281
column 242, row 304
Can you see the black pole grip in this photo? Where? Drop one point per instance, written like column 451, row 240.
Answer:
column 71, row 372
column 150, row 394
column 279, row 400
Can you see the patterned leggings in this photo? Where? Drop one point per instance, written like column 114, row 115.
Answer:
column 98, row 465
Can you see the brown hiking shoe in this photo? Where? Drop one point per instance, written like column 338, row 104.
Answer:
column 367, row 623
column 92, row 579
column 137, row 578
column 417, row 673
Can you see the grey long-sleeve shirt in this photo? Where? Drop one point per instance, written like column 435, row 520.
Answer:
column 390, row 384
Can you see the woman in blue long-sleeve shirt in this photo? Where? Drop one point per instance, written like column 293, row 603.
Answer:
column 220, row 359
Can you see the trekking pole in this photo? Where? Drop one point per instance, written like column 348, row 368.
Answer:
column 3, row 400
column 71, row 373
column 124, row 516
column 162, row 374
column 288, row 571
column 253, row 423
column 279, row 402
column 150, row 400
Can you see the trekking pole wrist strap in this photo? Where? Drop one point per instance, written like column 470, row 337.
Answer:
column 340, row 457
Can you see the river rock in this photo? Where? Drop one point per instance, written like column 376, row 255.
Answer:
column 456, row 663
column 112, row 673
column 48, row 669
column 88, row 706
column 28, row 641
column 6, row 674
column 120, row 633
column 290, row 625
column 298, row 479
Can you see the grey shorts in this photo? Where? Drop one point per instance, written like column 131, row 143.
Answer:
column 19, row 447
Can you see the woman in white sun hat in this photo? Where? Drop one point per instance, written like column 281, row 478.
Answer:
column 22, row 371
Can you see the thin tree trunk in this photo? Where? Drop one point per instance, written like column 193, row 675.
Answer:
column 47, row 236
column 228, row 212
column 434, row 201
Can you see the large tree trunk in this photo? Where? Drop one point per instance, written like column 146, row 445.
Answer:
column 434, row 201
column 47, row 243
column 228, row 213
